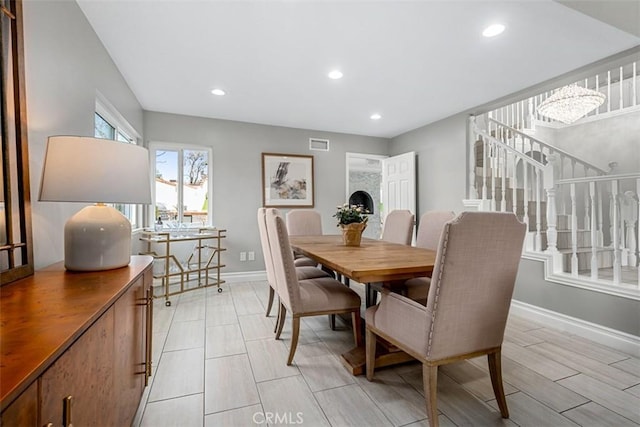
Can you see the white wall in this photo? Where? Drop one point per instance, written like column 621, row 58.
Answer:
column 237, row 177
column 65, row 65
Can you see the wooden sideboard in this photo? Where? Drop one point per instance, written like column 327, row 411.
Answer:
column 75, row 347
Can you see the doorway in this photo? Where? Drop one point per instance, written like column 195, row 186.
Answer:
column 390, row 183
column 364, row 180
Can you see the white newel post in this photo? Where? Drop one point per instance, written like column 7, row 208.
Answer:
column 552, row 216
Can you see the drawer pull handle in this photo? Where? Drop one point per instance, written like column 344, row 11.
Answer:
column 67, row 412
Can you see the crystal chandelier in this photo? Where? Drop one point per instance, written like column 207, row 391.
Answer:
column 570, row 103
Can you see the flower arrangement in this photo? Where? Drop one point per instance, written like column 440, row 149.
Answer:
column 349, row 214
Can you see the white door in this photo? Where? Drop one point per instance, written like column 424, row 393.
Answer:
column 399, row 183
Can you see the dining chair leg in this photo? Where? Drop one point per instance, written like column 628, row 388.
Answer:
column 295, row 331
column 283, row 315
column 275, row 327
column 332, row 322
column 370, row 353
column 495, row 371
column 356, row 323
column 270, row 303
column 430, row 384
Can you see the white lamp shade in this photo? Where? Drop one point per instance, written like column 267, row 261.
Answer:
column 82, row 169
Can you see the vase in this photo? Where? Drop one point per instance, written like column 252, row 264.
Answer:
column 352, row 233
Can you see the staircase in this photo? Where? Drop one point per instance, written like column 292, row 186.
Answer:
column 583, row 218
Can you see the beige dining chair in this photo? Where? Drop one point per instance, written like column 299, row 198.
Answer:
column 467, row 307
column 302, row 272
column 304, row 222
column 398, row 227
column 429, row 230
column 302, row 298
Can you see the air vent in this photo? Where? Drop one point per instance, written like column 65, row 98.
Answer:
column 317, row 144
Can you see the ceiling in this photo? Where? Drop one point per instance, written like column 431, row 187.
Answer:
column 413, row 62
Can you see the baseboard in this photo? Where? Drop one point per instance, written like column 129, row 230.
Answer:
column 618, row 340
column 244, row 276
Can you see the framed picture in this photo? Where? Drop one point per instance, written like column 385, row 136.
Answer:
column 287, row 180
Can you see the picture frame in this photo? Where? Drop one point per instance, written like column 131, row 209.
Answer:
column 287, row 181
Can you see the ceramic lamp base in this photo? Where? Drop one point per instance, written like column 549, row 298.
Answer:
column 97, row 238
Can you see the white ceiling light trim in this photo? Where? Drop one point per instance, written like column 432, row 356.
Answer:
column 335, row 74
column 570, row 103
column 493, row 30
column 218, row 92
column 375, row 116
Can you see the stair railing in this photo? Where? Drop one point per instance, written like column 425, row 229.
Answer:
column 619, row 233
column 604, row 227
column 514, row 137
column 503, row 167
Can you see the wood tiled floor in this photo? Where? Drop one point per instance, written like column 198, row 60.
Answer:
column 217, row 364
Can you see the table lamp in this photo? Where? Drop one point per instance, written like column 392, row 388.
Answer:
column 82, row 169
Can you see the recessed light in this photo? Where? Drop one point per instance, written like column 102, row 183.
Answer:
column 335, row 74
column 375, row 116
column 218, row 92
column 493, row 30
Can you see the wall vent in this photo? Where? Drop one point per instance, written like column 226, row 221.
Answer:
column 317, row 144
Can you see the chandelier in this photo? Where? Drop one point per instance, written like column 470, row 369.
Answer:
column 570, row 103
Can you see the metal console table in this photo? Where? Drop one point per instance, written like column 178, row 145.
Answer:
column 204, row 260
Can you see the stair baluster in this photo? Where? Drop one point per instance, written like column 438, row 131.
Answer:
column 503, row 171
column 594, row 234
column 538, row 213
column 574, row 231
column 615, row 216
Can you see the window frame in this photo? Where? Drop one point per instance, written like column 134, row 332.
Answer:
column 156, row 146
column 121, row 126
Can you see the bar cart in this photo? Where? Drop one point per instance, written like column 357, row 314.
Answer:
column 203, row 262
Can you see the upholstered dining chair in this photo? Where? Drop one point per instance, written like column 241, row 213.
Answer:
column 311, row 297
column 467, row 306
column 302, row 272
column 304, row 222
column 398, row 227
column 429, row 230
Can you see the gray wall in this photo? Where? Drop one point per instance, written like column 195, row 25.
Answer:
column 65, row 65
column 237, row 178
column 613, row 139
column 622, row 314
column 441, row 156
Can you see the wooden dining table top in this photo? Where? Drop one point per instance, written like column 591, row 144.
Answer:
column 372, row 261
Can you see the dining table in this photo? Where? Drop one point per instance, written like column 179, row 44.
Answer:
column 375, row 264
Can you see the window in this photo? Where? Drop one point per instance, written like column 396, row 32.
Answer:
column 109, row 124
column 181, row 191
